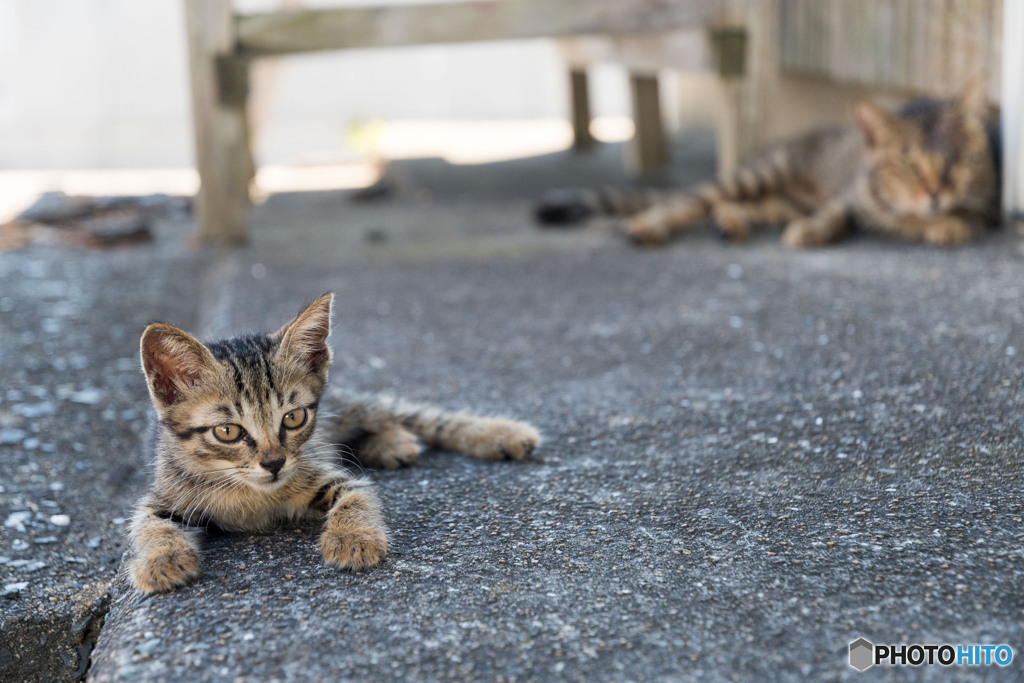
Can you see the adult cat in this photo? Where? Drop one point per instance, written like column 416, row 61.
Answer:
column 925, row 174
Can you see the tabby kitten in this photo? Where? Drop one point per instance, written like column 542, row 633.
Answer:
column 925, row 174
column 235, row 446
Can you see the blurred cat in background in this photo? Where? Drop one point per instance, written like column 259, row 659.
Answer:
column 926, row 174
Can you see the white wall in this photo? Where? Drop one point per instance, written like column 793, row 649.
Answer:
column 103, row 83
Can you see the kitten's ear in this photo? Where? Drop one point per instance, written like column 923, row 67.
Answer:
column 304, row 340
column 875, row 124
column 174, row 362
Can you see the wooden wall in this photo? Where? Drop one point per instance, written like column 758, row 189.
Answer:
column 926, row 46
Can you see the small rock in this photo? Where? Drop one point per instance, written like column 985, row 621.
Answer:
column 33, row 410
column 117, row 521
column 12, row 590
column 89, row 396
column 43, row 540
column 94, row 542
column 60, row 520
column 16, row 520
column 56, row 486
column 19, row 544
column 148, row 646
column 11, row 436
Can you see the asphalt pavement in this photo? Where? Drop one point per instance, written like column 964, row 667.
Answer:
column 751, row 457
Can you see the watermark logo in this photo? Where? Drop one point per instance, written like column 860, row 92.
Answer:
column 865, row 654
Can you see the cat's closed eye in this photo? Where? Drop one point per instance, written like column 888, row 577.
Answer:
column 228, row 433
column 294, row 418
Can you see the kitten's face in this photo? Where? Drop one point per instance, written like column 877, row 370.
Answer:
column 240, row 410
column 926, row 165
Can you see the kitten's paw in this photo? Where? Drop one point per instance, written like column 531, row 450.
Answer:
column 733, row 222
column 390, row 449
column 353, row 547
column 165, row 569
column 497, row 438
column 646, row 231
column 948, row 231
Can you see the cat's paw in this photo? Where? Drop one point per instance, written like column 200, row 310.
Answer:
column 733, row 222
column 353, row 547
column 801, row 234
column 497, row 438
column 165, row 568
column 647, row 231
column 390, row 449
column 948, row 231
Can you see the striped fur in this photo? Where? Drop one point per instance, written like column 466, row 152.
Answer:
column 235, row 446
column 926, row 174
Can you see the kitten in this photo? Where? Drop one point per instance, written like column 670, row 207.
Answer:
column 235, row 447
column 926, row 174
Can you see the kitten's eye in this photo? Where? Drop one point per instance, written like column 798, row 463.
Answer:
column 228, row 433
column 294, row 418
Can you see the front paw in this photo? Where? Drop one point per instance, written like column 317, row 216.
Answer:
column 947, row 232
column 646, row 230
column 803, row 233
column 733, row 222
column 496, row 438
column 353, row 547
column 165, row 569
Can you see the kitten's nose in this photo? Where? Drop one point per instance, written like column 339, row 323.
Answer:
column 273, row 466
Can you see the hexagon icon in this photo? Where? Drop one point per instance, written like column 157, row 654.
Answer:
column 862, row 654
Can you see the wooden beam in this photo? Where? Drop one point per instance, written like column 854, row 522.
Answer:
column 580, row 93
column 650, row 147
column 304, row 30
column 221, row 132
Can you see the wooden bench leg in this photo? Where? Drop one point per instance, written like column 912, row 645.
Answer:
column 580, row 93
column 650, row 148
column 223, row 156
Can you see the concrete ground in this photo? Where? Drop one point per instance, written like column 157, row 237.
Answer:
column 752, row 456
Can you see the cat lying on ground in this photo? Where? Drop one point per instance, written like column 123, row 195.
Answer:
column 926, row 174
column 235, row 446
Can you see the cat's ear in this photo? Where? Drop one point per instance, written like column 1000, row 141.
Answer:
column 973, row 99
column 875, row 124
column 304, row 340
column 174, row 362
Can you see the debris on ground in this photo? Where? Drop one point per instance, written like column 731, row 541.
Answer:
column 92, row 222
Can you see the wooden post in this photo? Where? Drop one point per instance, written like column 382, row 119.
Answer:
column 745, row 121
column 649, row 149
column 221, row 134
column 581, row 137
column 1013, row 110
